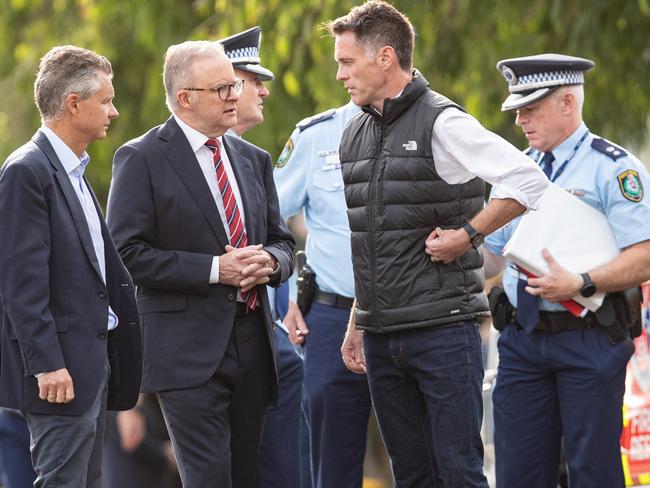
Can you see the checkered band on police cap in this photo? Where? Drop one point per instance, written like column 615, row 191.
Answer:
column 250, row 54
column 543, row 80
column 243, row 50
column 532, row 78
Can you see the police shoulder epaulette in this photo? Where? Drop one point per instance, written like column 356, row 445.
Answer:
column 607, row 148
column 315, row 119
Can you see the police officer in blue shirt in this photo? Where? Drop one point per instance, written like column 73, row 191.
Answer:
column 279, row 459
column 560, row 376
column 336, row 401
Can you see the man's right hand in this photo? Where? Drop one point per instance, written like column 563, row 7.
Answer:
column 56, row 386
column 131, row 427
column 352, row 349
column 296, row 324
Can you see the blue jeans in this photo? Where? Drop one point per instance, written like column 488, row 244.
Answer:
column 568, row 384
column 426, row 389
column 279, row 460
column 336, row 402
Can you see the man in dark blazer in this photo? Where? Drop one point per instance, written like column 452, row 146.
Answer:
column 195, row 217
column 70, row 331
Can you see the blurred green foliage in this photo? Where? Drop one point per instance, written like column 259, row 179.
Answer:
column 458, row 45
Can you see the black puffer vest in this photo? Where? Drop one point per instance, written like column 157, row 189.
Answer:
column 395, row 199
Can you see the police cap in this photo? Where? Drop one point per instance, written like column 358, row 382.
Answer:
column 532, row 78
column 243, row 50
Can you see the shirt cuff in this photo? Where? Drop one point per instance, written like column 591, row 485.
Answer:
column 214, row 271
column 530, row 200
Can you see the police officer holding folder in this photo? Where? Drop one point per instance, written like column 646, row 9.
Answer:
column 560, row 376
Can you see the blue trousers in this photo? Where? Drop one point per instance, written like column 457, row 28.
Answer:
column 568, row 384
column 336, row 402
column 426, row 390
column 279, row 461
column 15, row 459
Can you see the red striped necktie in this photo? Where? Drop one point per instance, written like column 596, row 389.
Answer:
column 238, row 237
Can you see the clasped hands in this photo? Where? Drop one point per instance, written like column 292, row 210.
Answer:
column 246, row 267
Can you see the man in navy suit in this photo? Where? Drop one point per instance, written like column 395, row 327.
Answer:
column 70, row 332
column 195, row 216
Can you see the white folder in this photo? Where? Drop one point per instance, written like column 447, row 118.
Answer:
column 576, row 234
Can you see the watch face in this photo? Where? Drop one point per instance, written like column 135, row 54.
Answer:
column 588, row 290
column 478, row 240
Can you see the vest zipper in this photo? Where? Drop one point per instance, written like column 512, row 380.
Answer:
column 373, row 204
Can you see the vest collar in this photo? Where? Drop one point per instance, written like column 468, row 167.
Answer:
column 394, row 107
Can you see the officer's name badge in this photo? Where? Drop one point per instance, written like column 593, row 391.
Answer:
column 332, row 161
column 630, row 185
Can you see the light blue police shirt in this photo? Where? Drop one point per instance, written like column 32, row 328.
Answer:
column 601, row 174
column 308, row 177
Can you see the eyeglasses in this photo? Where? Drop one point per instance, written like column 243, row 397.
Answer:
column 224, row 91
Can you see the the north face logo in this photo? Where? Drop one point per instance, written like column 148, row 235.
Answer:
column 410, row 146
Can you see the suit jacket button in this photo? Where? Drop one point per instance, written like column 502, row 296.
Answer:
column 231, row 296
column 101, row 294
column 101, row 335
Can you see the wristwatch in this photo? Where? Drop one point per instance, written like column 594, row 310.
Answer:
column 588, row 286
column 475, row 237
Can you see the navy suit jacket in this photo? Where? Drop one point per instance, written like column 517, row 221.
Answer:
column 167, row 229
column 54, row 300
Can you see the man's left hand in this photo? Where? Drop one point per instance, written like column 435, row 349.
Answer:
column 446, row 245
column 557, row 284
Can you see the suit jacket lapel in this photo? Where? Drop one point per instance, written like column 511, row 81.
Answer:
column 178, row 152
column 246, row 181
column 71, row 199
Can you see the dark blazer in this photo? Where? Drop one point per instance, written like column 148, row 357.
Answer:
column 167, row 228
column 54, row 312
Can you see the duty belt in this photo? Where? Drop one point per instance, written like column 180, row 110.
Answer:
column 333, row 300
column 561, row 321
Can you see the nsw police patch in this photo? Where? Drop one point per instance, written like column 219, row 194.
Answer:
column 630, row 185
column 284, row 155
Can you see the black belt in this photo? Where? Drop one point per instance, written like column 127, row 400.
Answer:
column 333, row 300
column 561, row 321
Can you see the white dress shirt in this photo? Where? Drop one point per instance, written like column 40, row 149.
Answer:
column 463, row 148
column 205, row 158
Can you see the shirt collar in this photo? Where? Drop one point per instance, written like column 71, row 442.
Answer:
column 562, row 152
column 231, row 132
column 71, row 163
column 196, row 139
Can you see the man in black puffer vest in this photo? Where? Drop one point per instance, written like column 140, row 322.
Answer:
column 411, row 163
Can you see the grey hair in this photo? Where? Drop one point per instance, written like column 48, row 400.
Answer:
column 179, row 59
column 578, row 92
column 65, row 70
